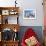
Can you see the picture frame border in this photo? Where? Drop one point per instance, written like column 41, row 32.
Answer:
column 29, row 18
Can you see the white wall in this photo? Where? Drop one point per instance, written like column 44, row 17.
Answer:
column 25, row 4
column 32, row 4
column 7, row 3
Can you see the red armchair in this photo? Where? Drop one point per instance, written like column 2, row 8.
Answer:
column 29, row 33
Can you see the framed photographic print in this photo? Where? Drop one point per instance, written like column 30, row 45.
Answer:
column 5, row 12
column 29, row 14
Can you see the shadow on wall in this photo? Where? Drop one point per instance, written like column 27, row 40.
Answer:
column 37, row 29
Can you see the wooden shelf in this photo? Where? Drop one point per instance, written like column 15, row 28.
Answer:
column 6, row 13
column 3, row 8
column 11, row 26
column 5, row 24
column 9, row 43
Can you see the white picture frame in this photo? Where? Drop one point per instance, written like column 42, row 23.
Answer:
column 5, row 12
column 29, row 14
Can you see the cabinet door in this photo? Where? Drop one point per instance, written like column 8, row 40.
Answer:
column 0, row 36
column 0, row 19
column 0, row 43
column 10, row 44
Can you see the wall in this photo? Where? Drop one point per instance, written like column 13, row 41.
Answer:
column 35, row 4
column 37, row 30
column 25, row 4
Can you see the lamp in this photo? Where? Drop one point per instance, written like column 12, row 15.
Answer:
column 15, row 37
column 15, row 30
column 15, row 3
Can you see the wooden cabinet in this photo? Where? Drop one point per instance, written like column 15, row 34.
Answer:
column 10, row 43
column 6, row 12
column 5, row 26
column 0, row 43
